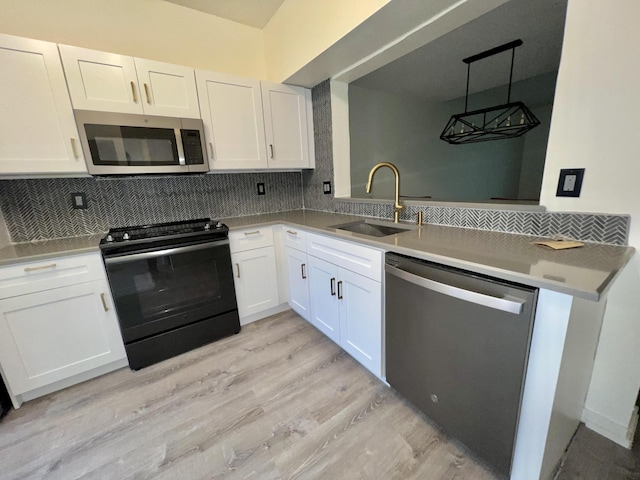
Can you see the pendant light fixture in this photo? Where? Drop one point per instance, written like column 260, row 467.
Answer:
column 509, row 120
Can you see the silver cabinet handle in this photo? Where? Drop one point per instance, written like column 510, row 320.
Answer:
column 146, row 92
column 255, row 232
column 104, row 302
column 503, row 304
column 133, row 92
column 291, row 232
column 271, row 151
column 73, row 147
column 238, row 268
column 43, row 267
column 333, row 287
column 211, row 150
column 303, row 270
column 340, row 290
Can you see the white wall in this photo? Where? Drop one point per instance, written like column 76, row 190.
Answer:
column 144, row 28
column 302, row 29
column 594, row 127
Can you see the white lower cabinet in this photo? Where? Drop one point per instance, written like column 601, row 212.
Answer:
column 58, row 325
column 49, row 336
column 255, row 273
column 360, row 301
column 298, row 276
column 345, row 301
column 325, row 311
column 256, row 287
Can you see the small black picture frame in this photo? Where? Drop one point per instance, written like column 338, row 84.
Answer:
column 570, row 182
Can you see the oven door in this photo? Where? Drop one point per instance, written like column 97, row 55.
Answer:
column 161, row 289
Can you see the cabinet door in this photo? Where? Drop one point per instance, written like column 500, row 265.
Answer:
column 38, row 133
column 297, row 273
column 323, row 278
column 361, row 319
column 167, row 89
column 231, row 110
column 100, row 80
column 285, row 120
column 52, row 335
column 255, row 280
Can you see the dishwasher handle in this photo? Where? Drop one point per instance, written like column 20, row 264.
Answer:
column 504, row 304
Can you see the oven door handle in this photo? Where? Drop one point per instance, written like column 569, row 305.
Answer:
column 125, row 258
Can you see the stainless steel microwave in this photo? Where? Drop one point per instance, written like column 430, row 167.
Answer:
column 129, row 144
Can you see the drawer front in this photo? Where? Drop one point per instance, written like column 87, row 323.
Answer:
column 251, row 238
column 356, row 258
column 295, row 238
column 30, row 277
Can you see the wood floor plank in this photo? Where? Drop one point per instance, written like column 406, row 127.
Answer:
column 277, row 401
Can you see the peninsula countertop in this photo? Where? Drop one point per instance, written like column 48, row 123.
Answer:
column 585, row 272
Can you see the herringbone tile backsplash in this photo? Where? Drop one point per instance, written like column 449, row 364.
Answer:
column 41, row 208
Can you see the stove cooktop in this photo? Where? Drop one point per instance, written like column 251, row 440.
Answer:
column 158, row 231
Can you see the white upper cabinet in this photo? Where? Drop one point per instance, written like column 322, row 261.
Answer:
column 232, row 115
column 286, row 125
column 116, row 83
column 38, row 133
column 254, row 125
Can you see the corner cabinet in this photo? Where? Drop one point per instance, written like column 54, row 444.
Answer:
column 286, row 125
column 57, row 322
column 253, row 125
column 297, row 268
column 109, row 82
column 38, row 134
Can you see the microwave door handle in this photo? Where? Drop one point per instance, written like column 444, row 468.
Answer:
column 181, row 157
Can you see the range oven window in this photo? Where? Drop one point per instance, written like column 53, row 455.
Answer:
column 163, row 289
column 132, row 146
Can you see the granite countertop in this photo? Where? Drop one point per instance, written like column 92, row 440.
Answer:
column 585, row 272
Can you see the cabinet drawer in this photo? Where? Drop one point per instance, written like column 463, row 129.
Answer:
column 363, row 260
column 295, row 238
column 250, row 238
column 51, row 273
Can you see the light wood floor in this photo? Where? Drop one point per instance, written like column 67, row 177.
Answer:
column 279, row 400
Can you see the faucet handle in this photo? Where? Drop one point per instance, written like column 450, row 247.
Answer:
column 419, row 221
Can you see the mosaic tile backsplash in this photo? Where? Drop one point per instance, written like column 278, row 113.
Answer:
column 39, row 209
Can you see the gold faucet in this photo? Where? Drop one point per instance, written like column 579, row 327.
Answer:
column 398, row 206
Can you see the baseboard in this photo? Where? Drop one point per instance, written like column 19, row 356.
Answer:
column 621, row 434
column 264, row 314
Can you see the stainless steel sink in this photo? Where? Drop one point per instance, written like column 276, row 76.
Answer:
column 374, row 228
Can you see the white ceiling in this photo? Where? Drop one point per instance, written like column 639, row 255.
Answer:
column 255, row 13
column 436, row 71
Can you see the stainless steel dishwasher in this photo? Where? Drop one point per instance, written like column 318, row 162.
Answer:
column 457, row 346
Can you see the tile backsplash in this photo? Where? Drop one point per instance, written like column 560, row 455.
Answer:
column 38, row 209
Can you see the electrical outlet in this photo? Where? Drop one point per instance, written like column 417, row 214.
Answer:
column 261, row 189
column 570, row 182
column 326, row 188
column 79, row 201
